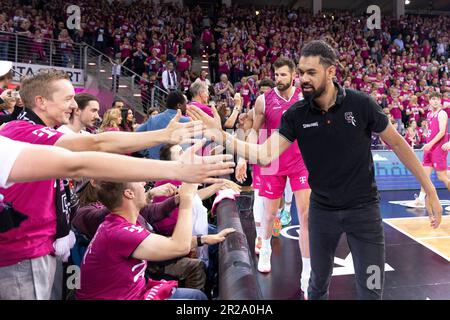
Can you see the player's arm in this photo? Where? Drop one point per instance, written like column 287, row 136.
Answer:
column 258, row 119
column 128, row 142
column 443, row 118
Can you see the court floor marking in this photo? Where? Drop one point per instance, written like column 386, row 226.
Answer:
column 415, row 217
column 437, row 237
column 414, row 238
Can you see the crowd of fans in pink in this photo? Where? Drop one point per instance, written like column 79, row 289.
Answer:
column 399, row 65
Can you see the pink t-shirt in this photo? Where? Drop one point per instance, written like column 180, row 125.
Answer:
column 35, row 236
column 125, row 51
column 183, row 63
column 108, row 272
column 245, row 92
column 415, row 112
column 290, row 161
column 395, row 111
column 207, row 36
column 203, row 107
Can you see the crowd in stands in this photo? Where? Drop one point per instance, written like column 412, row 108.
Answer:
column 399, row 65
column 142, row 35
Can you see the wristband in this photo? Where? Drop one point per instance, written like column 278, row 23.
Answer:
column 199, row 240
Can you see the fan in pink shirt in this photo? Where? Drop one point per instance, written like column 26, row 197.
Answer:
column 245, row 90
column 183, row 62
column 114, row 265
column 200, row 97
column 413, row 110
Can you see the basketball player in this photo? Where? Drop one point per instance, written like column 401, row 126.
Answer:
column 434, row 151
column 269, row 109
column 241, row 170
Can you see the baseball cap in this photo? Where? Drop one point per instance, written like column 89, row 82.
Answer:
column 5, row 67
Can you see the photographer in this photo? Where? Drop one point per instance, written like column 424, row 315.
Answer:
column 10, row 103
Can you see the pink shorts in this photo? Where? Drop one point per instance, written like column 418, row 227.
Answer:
column 272, row 187
column 436, row 159
column 256, row 177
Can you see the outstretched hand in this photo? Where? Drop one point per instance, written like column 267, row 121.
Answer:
column 204, row 169
column 212, row 126
column 176, row 132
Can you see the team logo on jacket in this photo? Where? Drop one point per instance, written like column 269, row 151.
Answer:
column 350, row 118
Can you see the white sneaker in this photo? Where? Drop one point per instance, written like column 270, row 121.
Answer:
column 304, row 282
column 264, row 260
column 419, row 203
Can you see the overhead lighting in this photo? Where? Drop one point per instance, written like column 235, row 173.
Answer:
column 123, row 86
column 407, row 2
column 102, row 70
column 205, row 61
column 204, row 67
column 324, row 16
column 91, row 63
column 137, row 95
column 257, row 13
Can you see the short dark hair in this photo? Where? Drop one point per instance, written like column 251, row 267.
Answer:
column 165, row 153
column 319, row 48
column 7, row 76
column 115, row 101
column 174, row 98
column 266, row 82
column 281, row 62
column 83, row 99
column 111, row 193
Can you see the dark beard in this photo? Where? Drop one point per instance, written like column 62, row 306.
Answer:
column 316, row 93
column 284, row 87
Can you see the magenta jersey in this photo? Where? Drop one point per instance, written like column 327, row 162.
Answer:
column 204, row 108
column 290, row 161
column 433, row 130
column 108, row 270
column 35, row 236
